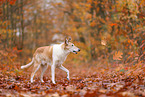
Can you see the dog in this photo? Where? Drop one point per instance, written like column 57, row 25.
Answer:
column 51, row 55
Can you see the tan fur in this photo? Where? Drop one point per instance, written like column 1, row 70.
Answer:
column 42, row 53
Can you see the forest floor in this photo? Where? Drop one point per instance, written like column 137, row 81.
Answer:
column 85, row 81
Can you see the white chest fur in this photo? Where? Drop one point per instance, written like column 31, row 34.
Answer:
column 59, row 54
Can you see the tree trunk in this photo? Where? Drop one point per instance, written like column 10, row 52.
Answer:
column 22, row 27
column 12, row 26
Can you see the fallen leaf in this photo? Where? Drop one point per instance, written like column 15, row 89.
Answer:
column 117, row 55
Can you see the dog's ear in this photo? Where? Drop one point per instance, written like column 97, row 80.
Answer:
column 66, row 41
column 69, row 39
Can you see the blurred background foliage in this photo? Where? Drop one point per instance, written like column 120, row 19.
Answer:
column 106, row 31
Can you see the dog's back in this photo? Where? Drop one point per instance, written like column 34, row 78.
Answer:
column 43, row 55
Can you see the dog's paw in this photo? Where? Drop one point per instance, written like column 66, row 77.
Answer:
column 42, row 81
column 31, row 81
column 53, row 82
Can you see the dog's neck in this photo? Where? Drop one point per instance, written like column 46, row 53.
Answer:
column 65, row 51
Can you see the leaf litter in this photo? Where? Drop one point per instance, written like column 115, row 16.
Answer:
column 95, row 82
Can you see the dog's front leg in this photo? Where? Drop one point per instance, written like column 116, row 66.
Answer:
column 53, row 73
column 64, row 69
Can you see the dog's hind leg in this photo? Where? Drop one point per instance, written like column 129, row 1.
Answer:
column 43, row 69
column 35, row 69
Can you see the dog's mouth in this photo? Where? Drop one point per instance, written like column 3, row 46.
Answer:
column 75, row 52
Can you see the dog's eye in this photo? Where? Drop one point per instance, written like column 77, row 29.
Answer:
column 72, row 45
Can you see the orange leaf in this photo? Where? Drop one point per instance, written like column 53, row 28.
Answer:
column 117, row 55
column 93, row 24
column 89, row 16
column 89, row 1
column 113, row 24
column 19, row 50
column 16, row 87
column 12, row 2
column 14, row 48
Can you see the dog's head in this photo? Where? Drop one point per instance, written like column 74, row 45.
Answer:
column 70, row 46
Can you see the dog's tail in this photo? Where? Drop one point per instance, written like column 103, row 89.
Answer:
column 27, row 65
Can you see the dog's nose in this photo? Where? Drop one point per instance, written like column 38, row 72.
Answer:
column 78, row 50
